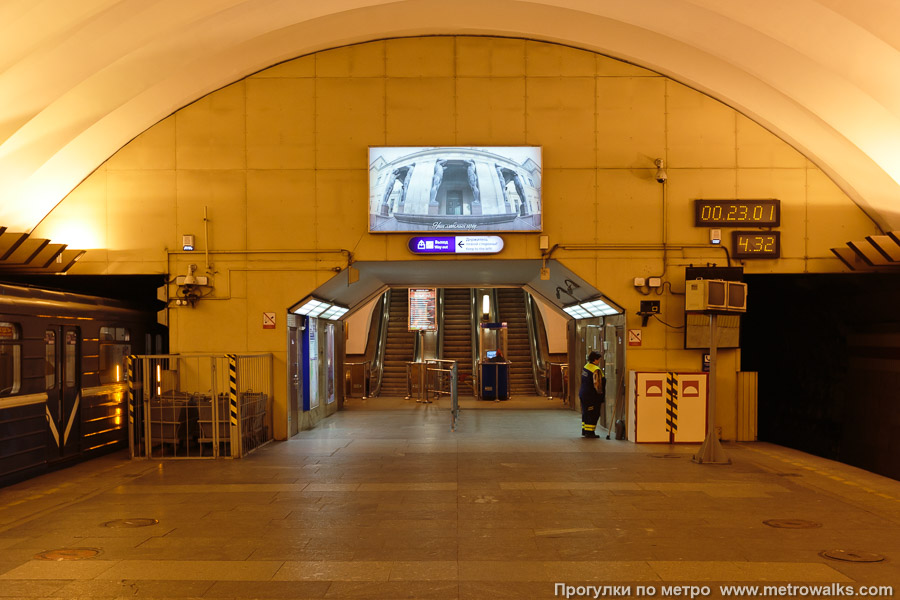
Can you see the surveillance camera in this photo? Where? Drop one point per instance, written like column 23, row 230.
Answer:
column 661, row 175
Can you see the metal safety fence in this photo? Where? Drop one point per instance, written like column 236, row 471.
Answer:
column 428, row 380
column 199, row 406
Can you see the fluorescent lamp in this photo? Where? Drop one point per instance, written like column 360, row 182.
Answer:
column 312, row 308
column 334, row 313
column 577, row 312
column 599, row 308
column 592, row 308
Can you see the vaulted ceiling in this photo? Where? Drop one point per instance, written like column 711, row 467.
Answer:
column 80, row 78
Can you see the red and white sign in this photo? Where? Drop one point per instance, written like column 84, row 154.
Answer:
column 634, row 337
column 268, row 320
column 653, row 388
column 653, row 403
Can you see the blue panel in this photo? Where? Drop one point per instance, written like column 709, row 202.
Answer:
column 304, row 361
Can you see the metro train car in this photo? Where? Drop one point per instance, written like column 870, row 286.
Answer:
column 63, row 389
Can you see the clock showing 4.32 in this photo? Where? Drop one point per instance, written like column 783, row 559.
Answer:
column 756, row 244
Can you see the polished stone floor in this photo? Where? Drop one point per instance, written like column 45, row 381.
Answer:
column 383, row 501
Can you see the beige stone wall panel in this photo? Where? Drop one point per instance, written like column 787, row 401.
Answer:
column 280, row 162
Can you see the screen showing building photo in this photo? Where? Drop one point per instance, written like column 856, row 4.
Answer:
column 453, row 190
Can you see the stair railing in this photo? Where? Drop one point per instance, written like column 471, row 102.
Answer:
column 540, row 365
column 377, row 361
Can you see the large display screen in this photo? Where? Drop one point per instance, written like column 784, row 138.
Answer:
column 454, row 189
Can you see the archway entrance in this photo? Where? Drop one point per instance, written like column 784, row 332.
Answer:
column 458, row 192
column 379, row 350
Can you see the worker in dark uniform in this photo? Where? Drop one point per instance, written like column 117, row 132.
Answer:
column 591, row 395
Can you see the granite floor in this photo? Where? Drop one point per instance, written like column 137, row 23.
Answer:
column 383, row 501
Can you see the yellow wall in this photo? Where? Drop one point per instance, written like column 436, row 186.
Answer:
column 279, row 162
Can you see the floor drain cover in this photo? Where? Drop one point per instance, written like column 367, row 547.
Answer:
column 665, row 455
column 792, row 524
column 852, row 555
column 131, row 523
column 68, row 554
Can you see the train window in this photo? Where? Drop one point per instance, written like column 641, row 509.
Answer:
column 10, row 359
column 113, row 353
column 71, row 358
column 50, row 358
column 114, row 334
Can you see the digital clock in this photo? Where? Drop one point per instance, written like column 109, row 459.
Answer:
column 756, row 244
column 719, row 213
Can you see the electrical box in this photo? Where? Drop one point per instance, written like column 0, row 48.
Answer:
column 715, row 295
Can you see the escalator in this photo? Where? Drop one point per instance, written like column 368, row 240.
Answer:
column 399, row 345
column 458, row 340
column 457, row 334
column 511, row 309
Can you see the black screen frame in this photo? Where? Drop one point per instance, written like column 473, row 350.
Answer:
column 727, row 206
column 736, row 252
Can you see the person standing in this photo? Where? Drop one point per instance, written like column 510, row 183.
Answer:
column 591, row 395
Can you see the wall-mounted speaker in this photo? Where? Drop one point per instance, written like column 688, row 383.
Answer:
column 703, row 295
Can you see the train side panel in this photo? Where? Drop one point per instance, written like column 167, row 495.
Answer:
column 62, row 376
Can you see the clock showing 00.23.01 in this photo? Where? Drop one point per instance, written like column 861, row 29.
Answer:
column 724, row 213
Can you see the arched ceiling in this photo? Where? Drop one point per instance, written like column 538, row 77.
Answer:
column 80, row 78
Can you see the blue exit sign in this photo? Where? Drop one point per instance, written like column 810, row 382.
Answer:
column 456, row 244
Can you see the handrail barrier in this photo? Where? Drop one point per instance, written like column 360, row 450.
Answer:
column 200, row 406
column 558, row 381
column 444, row 382
column 415, row 382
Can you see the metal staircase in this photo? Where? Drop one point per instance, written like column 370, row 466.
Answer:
column 511, row 309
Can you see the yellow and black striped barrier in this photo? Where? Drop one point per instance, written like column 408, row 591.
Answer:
column 232, row 388
column 129, row 370
column 671, row 403
column 233, row 403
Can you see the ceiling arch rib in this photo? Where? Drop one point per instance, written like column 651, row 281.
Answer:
column 841, row 116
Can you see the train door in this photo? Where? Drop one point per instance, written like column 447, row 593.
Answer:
column 62, row 348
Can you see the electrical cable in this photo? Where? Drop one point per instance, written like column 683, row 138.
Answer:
column 668, row 325
column 671, row 291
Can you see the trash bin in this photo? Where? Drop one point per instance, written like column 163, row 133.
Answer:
column 495, row 381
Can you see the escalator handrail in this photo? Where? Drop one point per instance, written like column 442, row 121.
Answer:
column 540, row 365
column 377, row 368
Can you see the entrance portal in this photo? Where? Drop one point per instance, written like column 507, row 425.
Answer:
column 545, row 344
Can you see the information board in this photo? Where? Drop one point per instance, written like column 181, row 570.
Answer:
column 422, row 309
column 459, row 244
